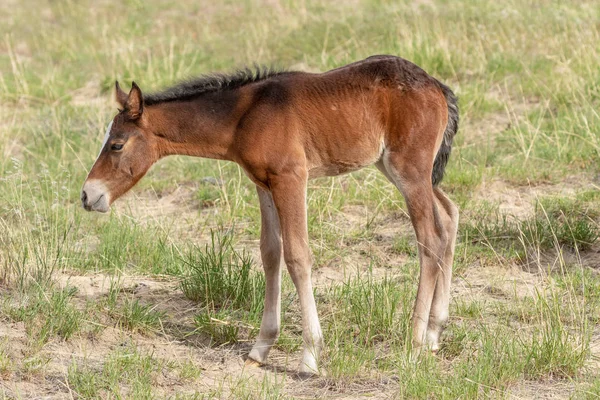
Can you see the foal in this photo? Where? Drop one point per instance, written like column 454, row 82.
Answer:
column 284, row 128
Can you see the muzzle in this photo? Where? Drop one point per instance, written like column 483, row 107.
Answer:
column 95, row 196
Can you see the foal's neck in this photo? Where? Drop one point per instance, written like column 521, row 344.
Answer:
column 201, row 127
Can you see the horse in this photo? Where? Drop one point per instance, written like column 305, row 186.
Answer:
column 284, row 128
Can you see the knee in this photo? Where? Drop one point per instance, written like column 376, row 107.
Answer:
column 270, row 332
column 451, row 210
column 271, row 253
column 454, row 217
column 439, row 319
column 298, row 265
column 435, row 246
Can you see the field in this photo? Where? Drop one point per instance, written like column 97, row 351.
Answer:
column 162, row 297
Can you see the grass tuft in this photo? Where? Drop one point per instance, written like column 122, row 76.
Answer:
column 223, row 281
column 46, row 314
column 140, row 317
column 125, row 373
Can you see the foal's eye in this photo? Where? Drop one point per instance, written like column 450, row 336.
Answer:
column 117, row 147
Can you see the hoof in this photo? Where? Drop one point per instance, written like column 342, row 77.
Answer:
column 417, row 352
column 306, row 371
column 304, row 376
column 252, row 363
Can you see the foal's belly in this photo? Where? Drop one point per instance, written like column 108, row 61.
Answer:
column 333, row 170
column 352, row 160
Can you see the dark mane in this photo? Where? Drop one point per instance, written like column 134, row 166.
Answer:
column 195, row 87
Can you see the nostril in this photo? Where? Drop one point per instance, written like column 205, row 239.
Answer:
column 84, row 196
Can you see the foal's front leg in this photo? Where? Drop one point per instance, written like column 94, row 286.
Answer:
column 289, row 195
column 270, row 248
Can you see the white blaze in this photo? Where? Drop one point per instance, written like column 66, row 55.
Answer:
column 105, row 139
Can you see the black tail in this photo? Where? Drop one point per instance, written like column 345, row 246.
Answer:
column 439, row 165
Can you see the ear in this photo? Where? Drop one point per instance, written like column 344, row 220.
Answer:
column 135, row 102
column 120, row 95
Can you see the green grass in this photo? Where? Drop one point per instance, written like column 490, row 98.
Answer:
column 224, row 283
column 140, row 317
column 366, row 319
column 6, row 364
column 45, row 313
column 220, row 276
column 556, row 222
column 127, row 373
column 529, row 90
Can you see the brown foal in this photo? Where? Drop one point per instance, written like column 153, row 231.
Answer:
column 284, row 128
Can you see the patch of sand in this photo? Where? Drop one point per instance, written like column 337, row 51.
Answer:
column 520, row 201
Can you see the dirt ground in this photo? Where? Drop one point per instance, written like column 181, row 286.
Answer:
column 222, row 366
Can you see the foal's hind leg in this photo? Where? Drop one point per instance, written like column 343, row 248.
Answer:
column 271, row 252
column 441, row 298
column 415, row 185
